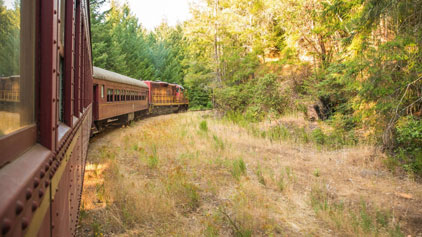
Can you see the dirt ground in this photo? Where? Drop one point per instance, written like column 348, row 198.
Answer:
column 193, row 174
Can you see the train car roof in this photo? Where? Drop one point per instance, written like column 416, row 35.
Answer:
column 103, row 74
column 166, row 83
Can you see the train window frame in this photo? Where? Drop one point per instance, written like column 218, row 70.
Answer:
column 19, row 141
column 109, row 95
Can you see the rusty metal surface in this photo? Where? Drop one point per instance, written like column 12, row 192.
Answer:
column 165, row 94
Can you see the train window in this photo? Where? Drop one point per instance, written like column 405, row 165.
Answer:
column 17, row 64
column 102, row 91
column 109, row 95
column 122, row 96
column 61, row 76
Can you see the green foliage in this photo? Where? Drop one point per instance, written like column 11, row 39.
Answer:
column 253, row 99
column 122, row 45
column 238, row 168
column 9, row 40
column 409, row 139
column 153, row 158
column 319, row 136
column 203, row 126
column 219, row 143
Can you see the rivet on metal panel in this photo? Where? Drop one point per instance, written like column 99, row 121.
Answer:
column 50, row 161
column 36, row 182
column 41, row 193
column 54, row 71
column 42, row 174
column 34, row 206
column 6, row 226
column 19, row 208
column 55, row 12
column 57, row 213
column 25, row 223
column 54, row 129
column 58, row 20
column 47, row 166
column 47, row 182
column 54, row 42
column 28, row 193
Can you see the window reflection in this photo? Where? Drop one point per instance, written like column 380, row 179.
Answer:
column 17, row 37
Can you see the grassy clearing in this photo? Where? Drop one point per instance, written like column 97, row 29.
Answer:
column 192, row 174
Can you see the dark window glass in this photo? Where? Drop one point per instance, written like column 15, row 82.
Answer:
column 17, row 64
column 61, row 78
column 109, row 95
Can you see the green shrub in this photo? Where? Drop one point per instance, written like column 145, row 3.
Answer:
column 409, row 143
column 253, row 100
column 238, row 168
column 219, row 143
column 203, row 126
column 153, row 159
column 318, row 136
column 278, row 133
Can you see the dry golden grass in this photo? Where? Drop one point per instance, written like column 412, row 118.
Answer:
column 192, row 174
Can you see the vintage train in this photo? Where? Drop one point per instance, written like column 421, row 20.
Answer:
column 123, row 99
column 50, row 99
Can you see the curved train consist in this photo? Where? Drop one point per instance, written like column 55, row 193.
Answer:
column 121, row 98
column 51, row 97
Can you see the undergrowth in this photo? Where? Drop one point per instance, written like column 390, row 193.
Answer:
column 363, row 219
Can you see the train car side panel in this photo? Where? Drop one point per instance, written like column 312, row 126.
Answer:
column 115, row 99
column 42, row 165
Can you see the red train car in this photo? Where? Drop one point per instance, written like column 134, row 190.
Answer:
column 44, row 133
column 117, row 97
column 166, row 97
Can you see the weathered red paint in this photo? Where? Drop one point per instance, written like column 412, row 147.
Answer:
column 38, row 183
column 106, row 110
column 69, row 62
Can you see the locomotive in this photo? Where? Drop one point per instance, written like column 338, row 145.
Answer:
column 50, row 99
